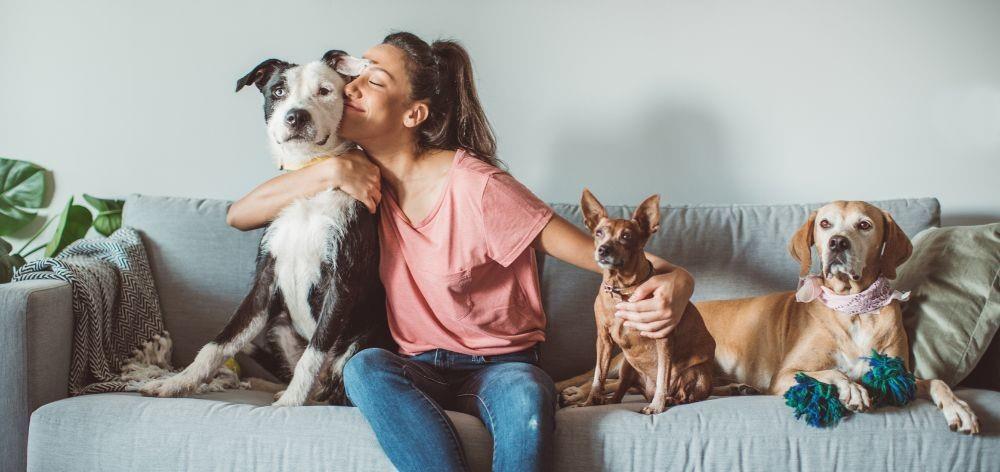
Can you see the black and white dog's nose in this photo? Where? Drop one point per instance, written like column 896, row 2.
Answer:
column 839, row 243
column 296, row 117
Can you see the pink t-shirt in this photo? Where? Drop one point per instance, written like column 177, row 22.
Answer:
column 464, row 279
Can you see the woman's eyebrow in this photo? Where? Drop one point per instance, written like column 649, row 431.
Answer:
column 377, row 68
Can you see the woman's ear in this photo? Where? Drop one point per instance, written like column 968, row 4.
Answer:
column 416, row 114
column 801, row 245
column 896, row 247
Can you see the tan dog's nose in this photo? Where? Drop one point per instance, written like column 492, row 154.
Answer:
column 839, row 243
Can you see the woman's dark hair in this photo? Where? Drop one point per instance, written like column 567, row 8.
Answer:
column 441, row 73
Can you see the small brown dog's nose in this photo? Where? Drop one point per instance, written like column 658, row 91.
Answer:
column 603, row 250
column 839, row 243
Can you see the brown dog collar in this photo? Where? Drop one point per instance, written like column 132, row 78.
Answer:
column 619, row 294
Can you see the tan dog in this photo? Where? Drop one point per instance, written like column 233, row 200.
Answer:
column 762, row 342
column 670, row 371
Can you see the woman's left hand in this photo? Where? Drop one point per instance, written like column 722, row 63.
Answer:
column 658, row 304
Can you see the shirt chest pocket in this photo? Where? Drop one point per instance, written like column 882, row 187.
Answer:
column 448, row 294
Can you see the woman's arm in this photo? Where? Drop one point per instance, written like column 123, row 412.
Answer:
column 655, row 307
column 352, row 172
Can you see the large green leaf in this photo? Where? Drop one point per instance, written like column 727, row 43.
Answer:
column 22, row 184
column 109, row 214
column 12, row 218
column 8, row 262
column 74, row 221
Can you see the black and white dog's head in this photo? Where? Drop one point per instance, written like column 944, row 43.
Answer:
column 303, row 105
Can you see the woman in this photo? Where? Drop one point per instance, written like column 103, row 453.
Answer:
column 456, row 235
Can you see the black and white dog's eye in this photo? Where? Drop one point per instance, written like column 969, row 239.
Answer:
column 864, row 226
column 278, row 92
column 324, row 91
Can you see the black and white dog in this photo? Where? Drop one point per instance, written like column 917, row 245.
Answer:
column 317, row 269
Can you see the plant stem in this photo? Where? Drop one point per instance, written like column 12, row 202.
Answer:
column 25, row 256
column 37, row 234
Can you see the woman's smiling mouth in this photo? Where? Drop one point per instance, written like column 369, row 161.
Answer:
column 352, row 106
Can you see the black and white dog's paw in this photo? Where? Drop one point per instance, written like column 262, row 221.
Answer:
column 168, row 387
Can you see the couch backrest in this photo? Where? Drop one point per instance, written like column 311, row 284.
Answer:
column 203, row 267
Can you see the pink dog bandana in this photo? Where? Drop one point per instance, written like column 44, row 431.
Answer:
column 873, row 298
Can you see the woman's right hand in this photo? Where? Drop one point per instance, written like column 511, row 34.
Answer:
column 357, row 176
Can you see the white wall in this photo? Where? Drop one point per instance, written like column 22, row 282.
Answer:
column 704, row 101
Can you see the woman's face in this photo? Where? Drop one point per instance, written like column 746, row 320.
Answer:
column 378, row 103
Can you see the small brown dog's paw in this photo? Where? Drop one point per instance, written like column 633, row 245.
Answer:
column 651, row 410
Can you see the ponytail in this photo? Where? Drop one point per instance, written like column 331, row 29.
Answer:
column 441, row 73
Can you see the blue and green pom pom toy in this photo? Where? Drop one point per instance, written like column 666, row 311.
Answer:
column 888, row 383
column 815, row 400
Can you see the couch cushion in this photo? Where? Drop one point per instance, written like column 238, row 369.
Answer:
column 232, row 430
column 760, row 433
column 732, row 251
column 954, row 310
column 202, row 267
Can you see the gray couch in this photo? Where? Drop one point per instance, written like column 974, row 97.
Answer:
column 202, row 269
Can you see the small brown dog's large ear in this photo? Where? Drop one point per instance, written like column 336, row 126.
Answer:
column 801, row 245
column 896, row 247
column 592, row 209
column 647, row 214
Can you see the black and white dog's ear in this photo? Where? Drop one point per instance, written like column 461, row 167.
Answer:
column 262, row 73
column 344, row 63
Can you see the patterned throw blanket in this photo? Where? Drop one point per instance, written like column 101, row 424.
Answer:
column 118, row 336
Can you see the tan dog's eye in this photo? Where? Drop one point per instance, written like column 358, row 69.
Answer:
column 864, row 226
column 824, row 224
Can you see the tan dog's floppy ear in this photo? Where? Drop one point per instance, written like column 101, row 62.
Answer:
column 896, row 247
column 801, row 245
column 592, row 209
column 648, row 214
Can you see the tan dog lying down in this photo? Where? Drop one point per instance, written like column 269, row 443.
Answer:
column 762, row 342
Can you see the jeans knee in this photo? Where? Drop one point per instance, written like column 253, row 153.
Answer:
column 360, row 367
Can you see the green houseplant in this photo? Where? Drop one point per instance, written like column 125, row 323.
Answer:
column 22, row 191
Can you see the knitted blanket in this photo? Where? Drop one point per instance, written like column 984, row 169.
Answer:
column 119, row 341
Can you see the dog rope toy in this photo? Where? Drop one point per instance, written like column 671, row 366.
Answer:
column 888, row 383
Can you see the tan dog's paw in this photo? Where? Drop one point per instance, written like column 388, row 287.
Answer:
column 854, row 396
column 169, row 387
column 592, row 400
column 571, row 396
column 960, row 417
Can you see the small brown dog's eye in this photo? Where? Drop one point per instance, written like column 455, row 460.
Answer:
column 626, row 236
column 824, row 224
column 865, row 226
column 599, row 233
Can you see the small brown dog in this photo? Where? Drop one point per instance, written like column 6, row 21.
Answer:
column 669, row 371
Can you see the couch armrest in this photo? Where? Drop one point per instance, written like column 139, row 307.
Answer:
column 36, row 340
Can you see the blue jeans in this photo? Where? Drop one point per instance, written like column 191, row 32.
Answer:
column 404, row 399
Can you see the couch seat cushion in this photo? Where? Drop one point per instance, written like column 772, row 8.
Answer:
column 759, row 433
column 224, row 431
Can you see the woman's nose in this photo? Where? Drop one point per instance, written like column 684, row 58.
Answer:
column 351, row 90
